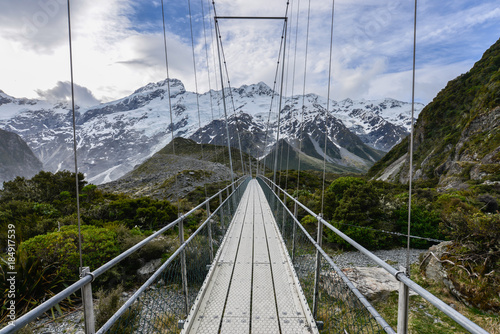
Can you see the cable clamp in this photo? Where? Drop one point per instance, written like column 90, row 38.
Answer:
column 91, row 274
column 403, row 271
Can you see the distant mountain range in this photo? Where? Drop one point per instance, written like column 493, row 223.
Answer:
column 115, row 137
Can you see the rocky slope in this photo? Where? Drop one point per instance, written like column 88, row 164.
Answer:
column 171, row 176
column 16, row 158
column 115, row 137
column 457, row 136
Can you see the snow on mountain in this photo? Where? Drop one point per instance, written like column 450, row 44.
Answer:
column 116, row 136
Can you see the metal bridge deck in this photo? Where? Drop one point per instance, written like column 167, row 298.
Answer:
column 251, row 287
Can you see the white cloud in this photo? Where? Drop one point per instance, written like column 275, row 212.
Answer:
column 429, row 80
column 114, row 54
column 62, row 92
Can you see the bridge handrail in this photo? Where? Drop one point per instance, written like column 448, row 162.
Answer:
column 158, row 272
column 400, row 276
column 90, row 277
column 380, row 320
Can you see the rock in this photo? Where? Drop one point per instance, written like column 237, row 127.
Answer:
column 374, row 283
column 149, row 268
column 430, row 263
column 432, row 267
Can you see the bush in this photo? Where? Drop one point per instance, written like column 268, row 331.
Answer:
column 61, row 247
column 366, row 237
column 43, row 187
column 335, row 193
column 359, row 205
column 143, row 212
column 424, row 223
column 475, row 254
column 34, row 282
column 310, row 224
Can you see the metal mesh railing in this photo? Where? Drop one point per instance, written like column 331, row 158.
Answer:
column 335, row 300
column 337, row 307
column 163, row 302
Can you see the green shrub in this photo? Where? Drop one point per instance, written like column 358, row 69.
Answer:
column 43, row 187
column 424, row 223
column 335, row 193
column 143, row 212
column 61, row 247
column 34, row 282
column 365, row 236
column 475, row 254
column 310, row 224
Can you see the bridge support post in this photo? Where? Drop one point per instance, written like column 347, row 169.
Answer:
column 221, row 213
column 88, row 304
column 183, row 267
column 403, row 304
column 295, row 208
column 283, row 219
column 318, row 268
column 210, row 240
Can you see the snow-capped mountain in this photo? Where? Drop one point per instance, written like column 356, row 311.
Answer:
column 114, row 137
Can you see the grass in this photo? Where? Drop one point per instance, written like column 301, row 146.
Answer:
column 427, row 319
column 167, row 323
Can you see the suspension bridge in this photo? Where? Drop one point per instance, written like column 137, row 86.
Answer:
column 250, row 266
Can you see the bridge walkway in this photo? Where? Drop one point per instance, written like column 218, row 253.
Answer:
column 251, row 287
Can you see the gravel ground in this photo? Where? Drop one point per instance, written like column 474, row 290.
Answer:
column 395, row 257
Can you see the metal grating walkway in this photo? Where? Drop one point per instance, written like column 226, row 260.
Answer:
column 251, row 287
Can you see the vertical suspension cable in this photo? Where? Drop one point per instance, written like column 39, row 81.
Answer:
column 268, row 126
column 327, row 114
column 74, row 138
column 271, row 106
column 411, row 139
column 236, row 119
column 169, row 98
column 282, row 48
column 208, row 71
column 283, row 39
column 196, row 84
column 219, row 96
column 303, row 94
column 233, row 105
column 217, row 31
column 293, row 83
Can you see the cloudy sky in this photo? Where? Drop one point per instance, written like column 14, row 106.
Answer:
column 118, row 45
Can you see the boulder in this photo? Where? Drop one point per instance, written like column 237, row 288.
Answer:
column 149, row 268
column 431, row 264
column 374, row 283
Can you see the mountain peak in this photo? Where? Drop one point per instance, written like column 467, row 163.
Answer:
column 255, row 89
column 347, row 102
column 4, row 95
column 176, row 86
